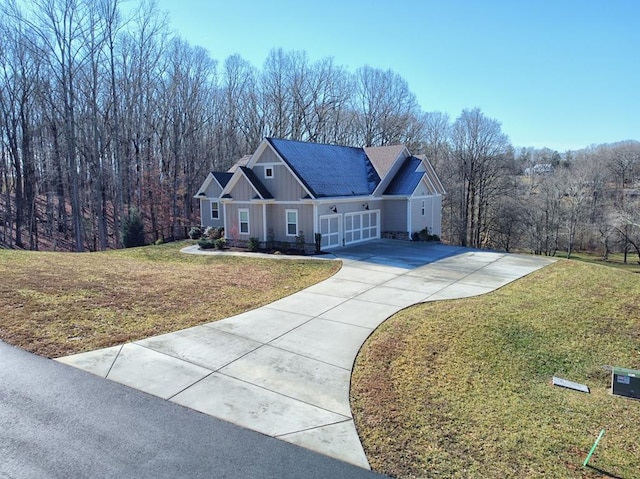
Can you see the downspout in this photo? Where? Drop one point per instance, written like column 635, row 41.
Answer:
column 409, row 215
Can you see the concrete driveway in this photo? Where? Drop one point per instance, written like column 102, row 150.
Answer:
column 284, row 369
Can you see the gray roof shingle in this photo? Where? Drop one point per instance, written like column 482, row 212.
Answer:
column 329, row 170
column 257, row 184
column 222, row 178
column 406, row 179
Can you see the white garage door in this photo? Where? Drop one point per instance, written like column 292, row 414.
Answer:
column 361, row 226
column 330, row 231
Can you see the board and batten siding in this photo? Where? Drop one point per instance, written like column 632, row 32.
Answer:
column 278, row 221
column 242, row 190
column 256, row 221
column 205, row 213
column 284, row 185
column 212, row 193
column 349, row 206
column 394, row 215
column 418, row 220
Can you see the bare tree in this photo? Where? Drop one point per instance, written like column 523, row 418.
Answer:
column 480, row 153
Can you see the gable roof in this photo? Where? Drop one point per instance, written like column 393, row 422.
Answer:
column 413, row 170
column 256, row 183
column 383, row 157
column 407, row 178
column 328, row 170
column 241, row 162
column 432, row 176
column 222, row 178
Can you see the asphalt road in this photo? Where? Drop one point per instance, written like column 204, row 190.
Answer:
column 60, row 422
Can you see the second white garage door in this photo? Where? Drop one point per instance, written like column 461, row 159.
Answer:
column 361, row 226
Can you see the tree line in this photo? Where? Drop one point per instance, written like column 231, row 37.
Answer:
column 102, row 114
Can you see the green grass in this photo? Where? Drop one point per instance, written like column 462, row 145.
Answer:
column 55, row 304
column 463, row 388
column 615, row 260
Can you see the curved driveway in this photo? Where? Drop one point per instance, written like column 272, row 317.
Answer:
column 284, row 369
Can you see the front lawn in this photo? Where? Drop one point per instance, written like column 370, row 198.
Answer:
column 463, row 388
column 55, row 304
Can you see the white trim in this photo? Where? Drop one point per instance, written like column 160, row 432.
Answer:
column 205, row 185
column 240, row 211
column 392, row 171
column 264, row 144
column 264, row 222
column 433, row 177
column 266, row 176
column 409, row 215
column 360, row 233
column 316, row 220
column 345, row 199
column 336, row 235
column 217, row 203
column 224, row 217
column 250, row 202
column 234, row 180
column 286, row 222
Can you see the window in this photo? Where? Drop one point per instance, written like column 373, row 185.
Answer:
column 268, row 172
column 243, row 214
column 423, row 208
column 292, row 222
column 215, row 211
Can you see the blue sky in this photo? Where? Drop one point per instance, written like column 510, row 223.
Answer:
column 563, row 74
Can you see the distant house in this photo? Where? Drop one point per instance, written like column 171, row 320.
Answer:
column 539, row 169
column 348, row 195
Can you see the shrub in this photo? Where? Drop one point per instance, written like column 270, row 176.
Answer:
column 234, row 234
column 415, row 236
column 253, row 244
column 213, row 232
column 133, row 229
column 206, row 244
column 424, row 235
column 195, row 232
column 220, row 243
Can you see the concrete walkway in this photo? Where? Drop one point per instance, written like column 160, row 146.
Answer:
column 284, row 369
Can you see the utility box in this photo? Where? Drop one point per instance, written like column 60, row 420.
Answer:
column 625, row 382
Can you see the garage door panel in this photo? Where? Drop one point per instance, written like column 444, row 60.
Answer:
column 361, row 226
column 330, row 231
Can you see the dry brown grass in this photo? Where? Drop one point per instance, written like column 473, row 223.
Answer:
column 55, row 304
column 463, row 388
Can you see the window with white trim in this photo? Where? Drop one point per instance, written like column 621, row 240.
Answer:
column 292, row 222
column 422, row 207
column 268, row 172
column 215, row 210
column 243, row 216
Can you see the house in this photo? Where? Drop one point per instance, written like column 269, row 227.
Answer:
column 288, row 189
column 539, row 169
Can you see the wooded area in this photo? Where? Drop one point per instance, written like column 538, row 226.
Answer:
column 102, row 113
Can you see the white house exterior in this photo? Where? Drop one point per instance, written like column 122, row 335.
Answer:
column 289, row 188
